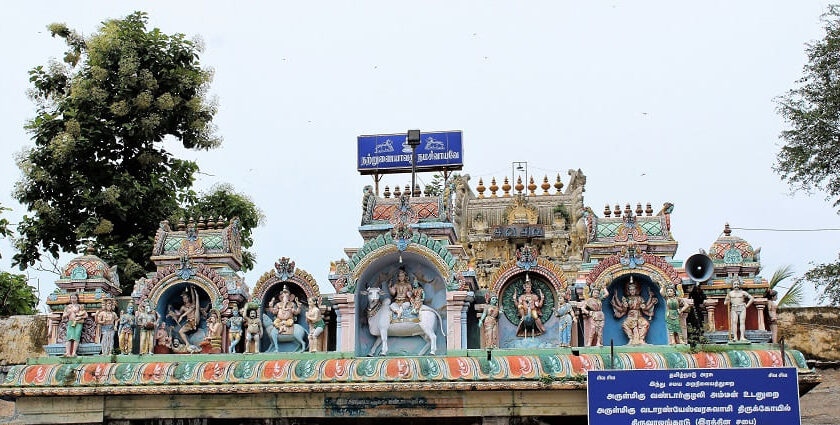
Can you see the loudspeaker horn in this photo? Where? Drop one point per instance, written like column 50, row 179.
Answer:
column 699, row 267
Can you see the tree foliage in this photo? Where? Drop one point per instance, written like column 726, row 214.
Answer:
column 98, row 169
column 223, row 201
column 793, row 295
column 16, row 296
column 810, row 156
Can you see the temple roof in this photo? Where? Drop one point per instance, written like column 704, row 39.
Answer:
column 88, row 267
column 732, row 249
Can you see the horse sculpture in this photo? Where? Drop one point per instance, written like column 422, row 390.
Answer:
column 298, row 335
column 380, row 326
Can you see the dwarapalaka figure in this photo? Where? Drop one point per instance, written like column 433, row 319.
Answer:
column 738, row 302
column 253, row 332
column 286, row 310
column 147, row 322
column 489, row 322
column 126, row 330
column 75, row 314
column 234, row 323
column 530, row 310
column 674, row 308
column 564, row 313
column 593, row 310
column 634, row 306
column 316, row 323
column 772, row 316
column 106, row 318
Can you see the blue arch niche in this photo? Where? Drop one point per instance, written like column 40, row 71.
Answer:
column 657, row 334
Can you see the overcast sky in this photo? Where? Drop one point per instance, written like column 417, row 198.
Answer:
column 654, row 101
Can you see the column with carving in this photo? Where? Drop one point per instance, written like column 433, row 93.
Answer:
column 345, row 310
column 456, row 327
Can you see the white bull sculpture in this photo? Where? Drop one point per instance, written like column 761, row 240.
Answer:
column 380, row 326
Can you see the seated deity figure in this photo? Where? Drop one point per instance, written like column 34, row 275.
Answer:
column 674, row 308
column 214, row 331
column 564, row 313
column 402, row 295
column 529, row 306
column 489, row 322
column 738, row 302
column 285, row 310
column 634, row 306
column 592, row 309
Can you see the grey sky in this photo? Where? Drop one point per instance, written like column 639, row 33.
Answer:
column 655, row 101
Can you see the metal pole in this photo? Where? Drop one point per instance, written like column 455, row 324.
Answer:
column 612, row 353
column 413, row 167
column 782, row 343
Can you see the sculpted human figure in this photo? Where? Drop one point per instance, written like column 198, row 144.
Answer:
column 401, row 294
column 529, row 306
column 214, row 331
column 564, row 313
column 738, row 302
column 772, row 306
column 253, row 332
column 489, row 322
column 674, row 308
column 126, row 330
column 634, row 306
column 286, row 310
column 147, row 322
column 593, row 310
column 162, row 337
column 234, row 323
column 106, row 318
column 189, row 313
column 316, row 323
column 75, row 314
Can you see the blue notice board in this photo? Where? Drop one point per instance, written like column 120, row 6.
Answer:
column 761, row 396
column 390, row 153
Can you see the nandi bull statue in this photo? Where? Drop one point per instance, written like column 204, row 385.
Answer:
column 380, row 324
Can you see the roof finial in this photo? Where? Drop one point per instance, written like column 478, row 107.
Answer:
column 726, row 230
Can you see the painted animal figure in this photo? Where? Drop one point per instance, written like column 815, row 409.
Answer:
column 298, row 335
column 380, row 326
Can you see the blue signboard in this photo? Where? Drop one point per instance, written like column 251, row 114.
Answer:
column 390, row 153
column 765, row 396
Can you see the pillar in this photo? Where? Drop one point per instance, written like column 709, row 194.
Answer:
column 457, row 303
column 345, row 311
column 760, row 304
column 710, row 314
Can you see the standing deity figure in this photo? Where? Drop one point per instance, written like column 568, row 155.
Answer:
column 75, row 314
column 106, row 318
column 592, row 308
column 674, row 308
column 738, row 301
column 316, row 323
column 285, row 311
column 402, row 295
column 634, row 306
column 189, row 312
column 234, row 323
column 489, row 322
column 214, row 331
column 564, row 313
column 126, row 330
column 529, row 306
column 771, row 315
column 147, row 320
column 253, row 332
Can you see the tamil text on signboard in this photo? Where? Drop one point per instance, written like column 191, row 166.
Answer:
column 390, row 153
column 767, row 396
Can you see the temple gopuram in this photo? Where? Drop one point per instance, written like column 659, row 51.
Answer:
column 484, row 303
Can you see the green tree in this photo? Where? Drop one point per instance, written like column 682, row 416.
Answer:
column 810, row 156
column 98, row 169
column 793, row 295
column 16, row 296
column 223, row 201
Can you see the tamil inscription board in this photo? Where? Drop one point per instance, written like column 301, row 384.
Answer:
column 390, row 153
column 760, row 396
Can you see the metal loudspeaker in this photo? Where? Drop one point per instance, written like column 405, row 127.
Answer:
column 699, row 267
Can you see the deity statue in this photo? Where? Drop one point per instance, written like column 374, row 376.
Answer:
column 402, row 295
column 253, row 332
column 163, row 339
column 126, row 330
column 106, row 318
column 316, row 323
column 593, row 310
column 147, row 320
column 489, row 322
column 738, row 302
column 674, row 308
column 772, row 317
column 286, row 307
column 189, row 312
column 234, row 323
column 214, row 331
column 634, row 306
column 529, row 306
column 75, row 314
column 564, row 313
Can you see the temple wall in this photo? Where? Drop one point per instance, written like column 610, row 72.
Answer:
column 22, row 337
column 815, row 331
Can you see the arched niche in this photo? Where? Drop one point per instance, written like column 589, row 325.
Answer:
column 647, row 282
column 270, row 286
column 383, row 270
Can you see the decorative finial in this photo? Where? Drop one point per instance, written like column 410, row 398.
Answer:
column 387, row 192
column 545, row 185
column 480, row 188
column 639, row 209
column 416, row 190
column 506, row 188
column 627, row 209
column 407, row 190
column 558, row 184
column 617, row 211
column 532, row 187
column 726, row 230
column 519, row 186
column 648, row 209
column 397, row 192
column 89, row 249
column 201, row 224
column 427, row 190
column 607, row 210
column 493, row 188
